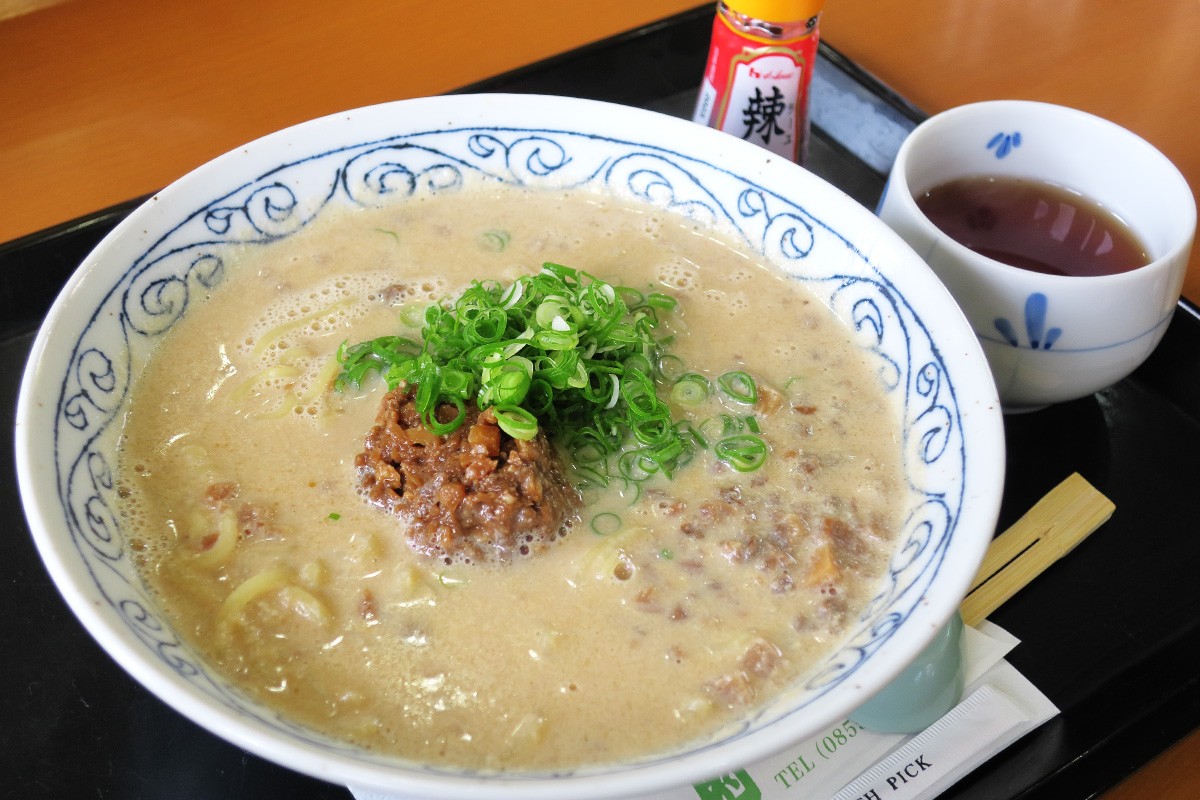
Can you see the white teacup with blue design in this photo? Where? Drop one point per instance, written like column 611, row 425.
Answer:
column 1050, row 338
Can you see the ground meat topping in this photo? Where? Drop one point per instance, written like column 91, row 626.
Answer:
column 787, row 544
column 740, row 686
column 473, row 495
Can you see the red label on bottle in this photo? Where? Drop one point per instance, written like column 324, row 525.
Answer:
column 757, row 89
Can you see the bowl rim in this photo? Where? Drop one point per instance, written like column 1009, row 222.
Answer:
column 981, row 507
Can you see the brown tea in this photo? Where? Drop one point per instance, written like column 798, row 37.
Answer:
column 1034, row 225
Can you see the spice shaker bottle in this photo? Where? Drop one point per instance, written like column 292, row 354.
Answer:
column 759, row 68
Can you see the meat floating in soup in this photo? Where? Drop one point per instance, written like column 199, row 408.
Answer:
column 659, row 612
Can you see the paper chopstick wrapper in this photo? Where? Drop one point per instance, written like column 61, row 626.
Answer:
column 988, row 720
column 848, row 761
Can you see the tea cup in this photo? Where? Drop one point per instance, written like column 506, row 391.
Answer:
column 1050, row 338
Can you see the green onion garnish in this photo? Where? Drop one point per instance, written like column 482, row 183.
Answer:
column 691, row 389
column 740, row 386
column 744, row 452
column 495, row 240
column 516, row 421
column 412, row 316
column 605, row 523
column 559, row 351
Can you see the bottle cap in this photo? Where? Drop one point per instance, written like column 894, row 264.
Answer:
column 776, row 10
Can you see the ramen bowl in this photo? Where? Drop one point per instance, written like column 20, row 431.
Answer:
column 168, row 255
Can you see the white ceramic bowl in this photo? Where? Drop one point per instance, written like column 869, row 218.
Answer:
column 1050, row 338
column 142, row 278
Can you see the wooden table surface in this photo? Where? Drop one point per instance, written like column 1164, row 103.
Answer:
column 106, row 100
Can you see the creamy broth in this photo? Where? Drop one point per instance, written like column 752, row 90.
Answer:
column 698, row 598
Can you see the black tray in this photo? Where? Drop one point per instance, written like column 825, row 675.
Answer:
column 1109, row 634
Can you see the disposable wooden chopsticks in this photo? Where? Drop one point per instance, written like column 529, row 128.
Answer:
column 1048, row 531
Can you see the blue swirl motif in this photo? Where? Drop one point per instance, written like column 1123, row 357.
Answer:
column 934, row 425
column 1039, row 338
column 665, row 184
column 92, row 397
column 268, row 212
column 870, row 318
column 191, row 260
column 96, row 385
column 786, row 235
column 1004, row 143
column 158, row 295
column 92, row 485
column 150, row 629
column 384, row 173
column 526, row 160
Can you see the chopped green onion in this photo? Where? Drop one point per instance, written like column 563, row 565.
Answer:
column 496, row 240
column 333, row 515
column 516, row 421
column 381, row 355
column 688, row 430
column 671, row 367
column 744, row 452
column 635, row 466
column 590, row 476
column 605, row 523
column 554, row 339
column 433, row 425
column 710, row 429
column 563, row 352
column 411, row 316
column 691, row 389
column 663, row 302
column 638, row 363
column 740, row 386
